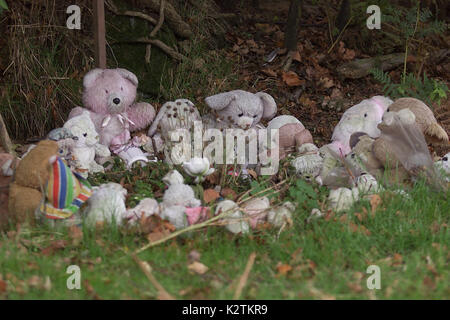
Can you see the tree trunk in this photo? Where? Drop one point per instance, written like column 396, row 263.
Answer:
column 290, row 40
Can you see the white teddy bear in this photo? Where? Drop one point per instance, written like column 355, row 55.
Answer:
column 86, row 145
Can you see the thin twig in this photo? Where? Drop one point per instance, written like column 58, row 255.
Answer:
column 244, row 277
column 145, row 267
column 340, row 35
column 160, row 21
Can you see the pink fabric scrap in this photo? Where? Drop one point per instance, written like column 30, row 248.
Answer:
column 197, row 214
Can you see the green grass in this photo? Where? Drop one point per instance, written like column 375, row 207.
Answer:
column 407, row 238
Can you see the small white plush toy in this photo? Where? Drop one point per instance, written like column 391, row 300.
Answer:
column 309, row 163
column 282, row 214
column 256, row 210
column 107, row 204
column 86, row 145
column 145, row 208
column 342, row 199
column 234, row 219
column 176, row 199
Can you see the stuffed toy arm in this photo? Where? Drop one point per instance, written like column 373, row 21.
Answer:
column 101, row 150
column 141, row 114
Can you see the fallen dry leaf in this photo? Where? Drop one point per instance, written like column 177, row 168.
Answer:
column 210, row 195
column 292, row 79
column 198, row 267
column 55, row 245
column 157, row 235
column 252, row 173
column 229, row 193
column 269, row 72
column 283, row 269
column 375, row 201
column 3, row 286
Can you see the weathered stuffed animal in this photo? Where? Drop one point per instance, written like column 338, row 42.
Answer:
column 401, row 147
column 30, row 179
column 309, row 162
column 109, row 95
column 425, row 119
column 239, row 109
column 362, row 156
column 443, row 167
column 173, row 115
column 363, row 117
column 291, row 132
column 86, row 145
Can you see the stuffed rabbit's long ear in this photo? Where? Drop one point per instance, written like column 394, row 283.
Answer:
column 220, row 101
column 269, row 105
column 128, row 75
column 159, row 116
column 91, row 76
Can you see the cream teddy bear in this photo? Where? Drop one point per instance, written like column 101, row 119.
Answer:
column 86, row 145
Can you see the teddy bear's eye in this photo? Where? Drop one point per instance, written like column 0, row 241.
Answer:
column 387, row 110
column 84, row 134
column 255, row 116
column 445, row 159
column 106, row 91
column 365, row 115
column 240, row 114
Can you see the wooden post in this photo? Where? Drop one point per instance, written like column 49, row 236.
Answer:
column 99, row 33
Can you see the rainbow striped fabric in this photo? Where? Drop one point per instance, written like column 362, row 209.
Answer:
column 66, row 191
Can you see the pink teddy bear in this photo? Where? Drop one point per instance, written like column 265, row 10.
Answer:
column 109, row 96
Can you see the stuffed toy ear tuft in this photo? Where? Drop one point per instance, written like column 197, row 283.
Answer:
column 128, row 75
column 269, row 105
column 220, row 101
column 91, row 76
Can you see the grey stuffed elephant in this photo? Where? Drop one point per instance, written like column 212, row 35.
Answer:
column 239, row 109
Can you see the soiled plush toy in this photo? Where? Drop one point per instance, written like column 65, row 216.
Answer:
column 362, row 156
column 402, row 147
column 292, row 134
column 173, row 115
column 363, row 117
column 30, row 179
column 86, row 145
column 109, row 95
column 309, row 163
column 239, row 109
column 425, row 119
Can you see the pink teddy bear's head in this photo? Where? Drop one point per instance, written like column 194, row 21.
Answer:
column 108, row 91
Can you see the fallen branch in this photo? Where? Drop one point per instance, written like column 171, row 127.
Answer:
column 155, row 30
column 243, row 279
column 361, row 67
column 164, row 47
column 174, row 20
column 145, row 267
column 112, row 7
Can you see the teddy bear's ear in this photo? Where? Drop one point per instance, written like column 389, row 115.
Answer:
column 220, row 101
column 269, row 105
column 128, row 75
column 91, row 76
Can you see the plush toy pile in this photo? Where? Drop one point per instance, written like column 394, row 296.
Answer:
column 376, row 136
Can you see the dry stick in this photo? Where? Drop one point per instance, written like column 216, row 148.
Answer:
column 111, row 6
column 244, row 277
column 164, row 47
column 340, row 35
column 145, row 267
column 154, row 31
column 203, row 224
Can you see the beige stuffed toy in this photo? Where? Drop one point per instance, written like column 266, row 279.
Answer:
column 31, row 176
column 425, row 119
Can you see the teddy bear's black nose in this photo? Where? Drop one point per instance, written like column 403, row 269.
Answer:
column 116, row 100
